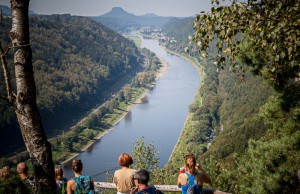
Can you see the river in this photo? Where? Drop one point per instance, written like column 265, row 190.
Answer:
column 159, row 118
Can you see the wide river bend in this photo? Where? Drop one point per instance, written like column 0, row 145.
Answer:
column 159, row 118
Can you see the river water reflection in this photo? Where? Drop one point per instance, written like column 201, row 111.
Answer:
column 159, row 118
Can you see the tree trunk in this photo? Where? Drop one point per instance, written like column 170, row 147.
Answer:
column 25, row 105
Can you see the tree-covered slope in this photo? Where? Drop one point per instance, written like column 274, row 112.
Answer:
column 77, row 63
column 244, row 126
column 180, row 29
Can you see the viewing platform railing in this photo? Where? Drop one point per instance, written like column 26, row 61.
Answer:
column 163, row 188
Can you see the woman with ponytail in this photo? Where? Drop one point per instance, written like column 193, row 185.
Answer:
column 193, row 176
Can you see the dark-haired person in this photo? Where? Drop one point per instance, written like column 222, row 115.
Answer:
column 191, row 176
column 123, row 177
column 141, row 179
column 80, row 183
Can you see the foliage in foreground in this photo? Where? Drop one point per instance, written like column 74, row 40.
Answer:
column 269, row 28
column 13, row 185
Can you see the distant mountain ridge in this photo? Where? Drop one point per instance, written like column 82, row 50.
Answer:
column 118, row 12
column 120, row 20
column 6, row 11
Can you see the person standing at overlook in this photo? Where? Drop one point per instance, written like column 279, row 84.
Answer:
column 141, row 179
column 80, row 183
column 194, row 176
column 22, row 170
column 123, row 178
column 61, row 181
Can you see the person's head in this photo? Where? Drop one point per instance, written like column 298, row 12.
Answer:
column 190, row 163
column 58, row 173
column 5, row 172
column 125, row 160
column 77, row 166
column 22, row 168
column 141, row 176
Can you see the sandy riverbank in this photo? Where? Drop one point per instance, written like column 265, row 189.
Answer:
column 160, row 73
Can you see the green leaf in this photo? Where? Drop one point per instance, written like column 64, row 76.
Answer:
column 262, row 33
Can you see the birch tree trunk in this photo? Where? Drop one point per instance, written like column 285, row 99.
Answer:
column 25, row 105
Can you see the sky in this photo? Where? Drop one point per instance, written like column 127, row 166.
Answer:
column 177, row 8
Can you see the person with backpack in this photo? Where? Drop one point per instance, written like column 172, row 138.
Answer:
column 61, row 181
column 141, row 179
column 80, row 184
column 191, row 181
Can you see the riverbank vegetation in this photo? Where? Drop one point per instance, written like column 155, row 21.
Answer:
column 74, row 67
column 244, row 125
column 108, row 114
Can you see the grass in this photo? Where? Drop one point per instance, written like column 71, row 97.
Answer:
column 137, row 40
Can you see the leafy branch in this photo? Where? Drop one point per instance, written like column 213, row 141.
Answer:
column 269, row 29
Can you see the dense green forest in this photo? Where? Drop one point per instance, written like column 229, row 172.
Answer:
column 181, row 34
column 243, row 127
column 108, row 114
column 77, row 63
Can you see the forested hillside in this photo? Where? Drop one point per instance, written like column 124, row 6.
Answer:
column 244, row 124
column 77, row 63
column 181, row 35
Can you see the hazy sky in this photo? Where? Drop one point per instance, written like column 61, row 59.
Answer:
column 137, row 7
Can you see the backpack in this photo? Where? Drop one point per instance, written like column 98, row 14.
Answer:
column 83, row 185
column 191, row 189
column 64, row 187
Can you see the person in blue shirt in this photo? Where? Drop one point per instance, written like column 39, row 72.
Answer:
column 194, row 176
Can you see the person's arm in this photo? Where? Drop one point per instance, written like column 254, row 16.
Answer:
column 69, row 186
column 204, row 178
column 179, row 180
column 134, row 190
column 93, row 183
column 115, row 180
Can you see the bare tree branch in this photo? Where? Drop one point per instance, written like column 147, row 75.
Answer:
column 10, row 96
